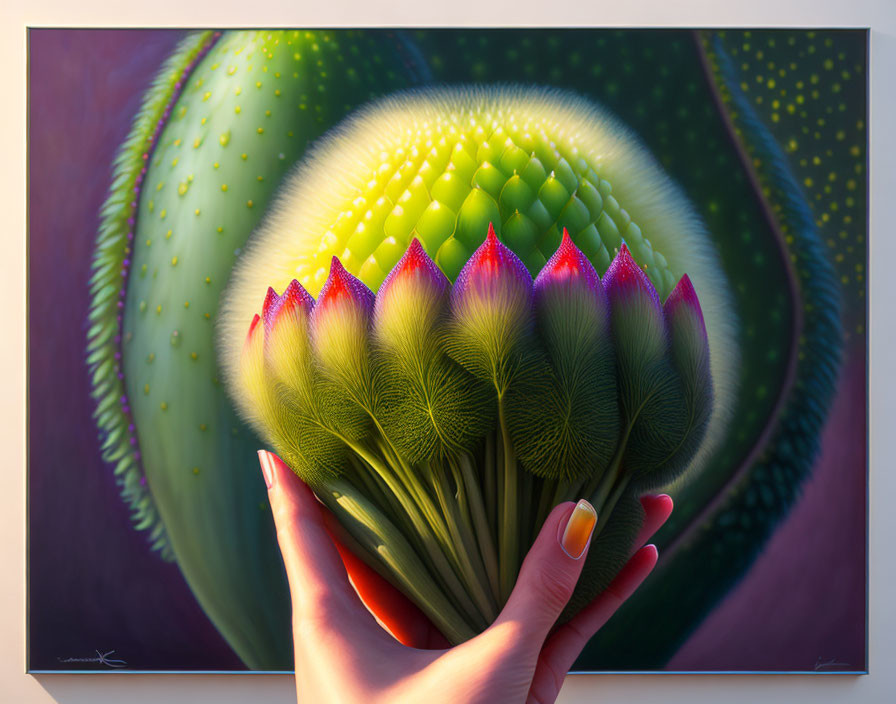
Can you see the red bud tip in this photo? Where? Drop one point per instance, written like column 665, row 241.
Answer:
column 492, row 264
column 294, row 297
column 625, row 277
column 684, row 296
column 568, row 262
column 415, row 262
column 253, row 326
column 269, row 301
column 342, row 286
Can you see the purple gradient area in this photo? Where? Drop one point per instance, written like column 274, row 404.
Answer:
column 93, row 582
column 802, row 604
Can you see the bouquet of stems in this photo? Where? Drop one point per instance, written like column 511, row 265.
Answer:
column 441, row 423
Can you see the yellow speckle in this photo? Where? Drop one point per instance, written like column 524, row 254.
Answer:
column 173, row 261
column 203, row 427
column 854, row 151
column 206, row 96
column 203, row 121
column 163, row 406
column 151, row 357
column 237, row 109
column 224, row 139
column 208, row 316
column 159, row 187
column 231, row 70
column 238, row 91
column 177, row 142
column 146, row 389
column 258, row 84
column 163, row 214
column 277, row 92
column 148, row 243
column 208, row 279
column 196, row 212
column 195, row 470
column 809, row 182
column 216, row 165
column 158, row 310
column 223, row 186
column 168, row 234
column 196, row 143
column 182, row 188
column 261, row 178
column 267, row 113
column 174, row 161
column 186, row 304
column 249, row 203
column 220, row 229
column 194, row 356
column 244, row 156
column 260, row 130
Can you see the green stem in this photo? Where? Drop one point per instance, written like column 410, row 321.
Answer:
column 491, row 480
column 382, row 542
column 600, row 485
column 606, row 510
column 431, row 546
column 480, row 524
column 462, row 538
column 508, row 525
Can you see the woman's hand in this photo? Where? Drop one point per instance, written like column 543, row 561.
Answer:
column 344, row 655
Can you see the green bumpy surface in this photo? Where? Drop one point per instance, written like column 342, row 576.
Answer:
column 113, row 249
column 514, row 175
column 250, row 109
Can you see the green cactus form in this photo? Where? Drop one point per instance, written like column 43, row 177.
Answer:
column 226, row 119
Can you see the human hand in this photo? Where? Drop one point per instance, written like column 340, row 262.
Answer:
column 344, row 655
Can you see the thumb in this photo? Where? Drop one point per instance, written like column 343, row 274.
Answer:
column 318, row 582
column 549, row 573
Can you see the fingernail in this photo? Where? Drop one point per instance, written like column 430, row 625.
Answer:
column 579, row 529
column 267, row 467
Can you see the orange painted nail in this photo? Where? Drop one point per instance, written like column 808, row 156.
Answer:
column 579, row 529
column 267, row 467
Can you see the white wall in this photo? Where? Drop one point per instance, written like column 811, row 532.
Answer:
column 880, row 15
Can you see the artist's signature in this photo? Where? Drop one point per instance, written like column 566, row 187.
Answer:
column 829, row 664
column 100, row 658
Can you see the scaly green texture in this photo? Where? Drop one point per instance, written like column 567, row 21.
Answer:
column 247, row 113
column 108, row 272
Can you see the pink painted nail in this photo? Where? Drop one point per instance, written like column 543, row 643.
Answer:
column 266, row 459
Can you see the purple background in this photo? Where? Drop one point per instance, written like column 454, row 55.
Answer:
column 93, row 583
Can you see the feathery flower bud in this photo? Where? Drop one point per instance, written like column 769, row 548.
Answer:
column 287, row 349
column 566, row 423
column 430, row 405
column 491, row 310
column 339, row 328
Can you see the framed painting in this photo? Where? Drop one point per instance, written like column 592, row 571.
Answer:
column 644, row 258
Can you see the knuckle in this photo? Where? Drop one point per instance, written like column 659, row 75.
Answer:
column 554, row 587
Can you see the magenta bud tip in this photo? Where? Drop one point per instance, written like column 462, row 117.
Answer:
column 625, row 277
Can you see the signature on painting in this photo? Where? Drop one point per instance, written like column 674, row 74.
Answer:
column 101, row 658
column 827, row 664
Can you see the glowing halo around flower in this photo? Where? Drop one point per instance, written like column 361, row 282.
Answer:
column 440, row 164
column 535, row 336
